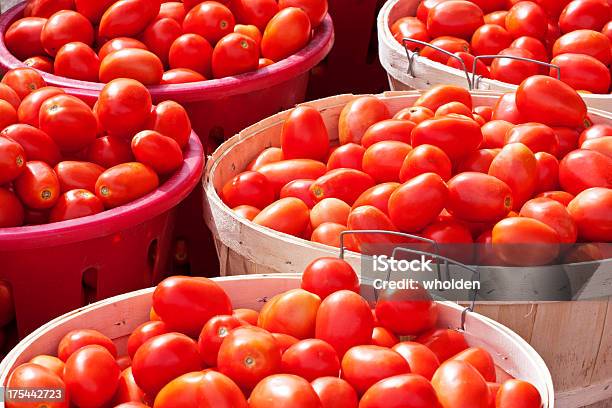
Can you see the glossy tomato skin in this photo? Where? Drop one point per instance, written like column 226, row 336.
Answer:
column 324, row 276
column 377, row 196
column 24, row 81
column 284, row 391
column 143, row 333
column 468, row 60
column 316, row 9
column 448, row 43
column 40, row 63
column 514, row 71
column 75, row 204
column 490, row 39
column 547, row 172
column 514, row 393
column 588, row 42
column 478, row 197
column 256, row 12
column 358, row 115
column 533, row 45
column 335, row 392
column 494, row 133
column 212, row 335
column 414, row 114
column 77, row 339
column 248, row 355
column 304, row 135
column 78, row 61
column 248, row 315
column 368, row 217
column 92, row 10
column 50, row 362
column 127, row 18
column 269, row 155
column 383, row 337
column 562, row 197
column 170, row 119
column 181, row 76
column 400, row 390
column 119, row 43
column 568, row 140
column 11, row 209
column 388, row 130
column 91, row 376
column 505, row 109
column 163, row 154
column 329, row 210
column 12, row 160
column 208, row 386
column 516, row 165
column 364, row 366
column 250, row 31
column 163, row 358
column 525, row 241
column 234, row 54
column 601, row 145
column 535, row 101
column 280, row 173
column 125, row 183
column 328, row 233
column 455, row 18
column 536, row 136
column 69, row 122
column 311, row 359
column 37, row 186
column 77, row 175
column 478, row 161
column 344, row 320
column 393, row 304
column 425, row 159
column 289, row 215
column 383, row 160
column 420, row 358
column 8, row 114
column 29, row 109
column 286, row 33
column 64, row 27
column 31, row 375
column 444, row 343
column 9, row 95
column 109, row 151
column 442, row 94
column 583, row 72
column 594, row 132
column 553, row 214
column 407, row 208
column 441, row 133
column 526, row 18
column 186, row 304
column 581, row 14
column 582, row 169
column 344, row 184
column 211, row 20
column 160, row 35
column 590, row 212
column 121, row 96
column 134, row 63
column 23, row 37
column 410, row 27
column 191, row 51
column 293, row 313
column 481, row 360
column 458, row 384
column 348, row 156
column 127, row 389
column 299, row 189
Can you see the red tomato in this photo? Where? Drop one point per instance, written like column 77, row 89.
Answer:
column 553, row 214
column 69, row 122
column 410, row 27
column 248, row 355
column 445, row 343
column 478, row 161
column 93, row 10
column 282, row 172
column 468, row 60
column 406, row 390
column 478, row 197
column 248, row 315
column 46, row 8
column 181, row 76
column 247, row 211
column 585, row 14
column 264, row 62
column 588, row 42
column 344, row 184
column 40, row 63
column 286, row 33
column 316, row 9
column 269, row 155
column 383, row 161
column 415, row 114
column 52, row 363
column 299, row 189
column 383, row 337
column 420, row 358
column 454, row 107
column 191, row 51
column 481, row 360
column 590, row 212
column 602, row 145
column 516, row 165
column 11, row 209
column 127, row 389
column 505, row 109
column 311, row 359
column 75, row 204
column 607, row 30
column 514, row 393
column 335, row 392
column 568, row 140
column 448, row 43
column 255, row 12
column 328, row 233
column 125, row 183
column 109, row 151
column 329, row 210
column 344, row 320
column 358, row 115
column 195, row 388
column 458, row 384
column 525, row 241
column 441, row 133
column 425, row 159
column 211, row 20
column 127, row 18
column 293, row 313
column 582, row 169
column 234, row 54
column 250, row 31
column 119, row 43
column 8, row 114
column 77, row 339
column 562, row 197
column 29, row 109
column 547, row 172
column 513, row 71
column 388, row 130
column 12, row 160
column 533, row 45
column 364, row 366
column 212, row 335
column 368, row 217
column 185, row 304
column 286, row 391
column 163, row 154
column 582, row 72
column 163, row 358
column 594, row 132
column 490, row 39
column 456, row 18
column 424, row 7
column 123, row 107
column 30, row 375
column 494, row 134
column 76, row 60
column 160, row 35
column 173, row 9
column 133, row 63
column 377, row 196
column 23, row 37
column 536, row 136
column 37, row 186
column 392, row 304
column 9, row 95
column 143, row 333
column 64, row 27
column 324, row 276
column 304, row 135
column 527, row 18
column 284, row 341
column 288, row 215
column 23, row 81
column 171, row 120
column 442, row 94
column 551, row 102
column 348, row 156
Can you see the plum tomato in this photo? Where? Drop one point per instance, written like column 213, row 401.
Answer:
column 77, row 175
column 444, row 343
column 8, row 114
column 12, row 160
column 335, row 392
column 365, row 365
column 327, row 275
column 316, row 9
column 11, row 209
column 447, row 43
column 584, row 14
column 383, row 337
column 299, row 188
column 458, row 18
column 388, row 130
column 280, row 173
column 293, row 313
column 23, row 37
column 416, row 303
column 78, row 61
column 536, row 136
column 93, row 10
column 160, row 35
column 582, row 169
column 425, row 159
column 286, row 391
column 368, row 217
column 516, row 165
column 601, row 145
column 526, row 18
column 328, row 233
column 594, row 132
column 358, row 115
column 76, row 339
column 344, row 184
column 547, row 169
column 143, row 333
column 377, row 196
column 29, row 109
column 490, row 39
column 514, row 393
column 133, row 63
column 383, row 160
column 478, row 161
column 468, row 59
column 562, row 197
column 457, row 383
column 590, row 210
column 269, row 155
column 533, row 45
column 443, row 132
column 286, row 33
column 123, row 107
column 64, row 27
column 250, row 31
column 481, row 360
column 329, row 210
column 311, row 359
column 128, row 391
column 31, row 375
column 212, row 335
column 163, row 154
column 511, row 70
column 553, row 214
column 587, row 42
column 246, row 211
column 420, row 358
column 191, row 51
column 582, row 72
column 69, row 122
column 37, row 186
column 248, row 315
column 414, row 114
column 211, row 20
column 181, row 76
column 523, row 241
column 348, row 156
column 505, row 109
column 411, row 389
column 170, row 119
column 410, row 27
column 117, row 44
column 478, row 197
column 109, row 151
column 288, row 215
column 127, row 18
column 442, row 94
column 125, row 183
column 304, row 135
column 23, row 81
column 234, row 54
column 75, row 204
column 255, row 12
column 52, row 363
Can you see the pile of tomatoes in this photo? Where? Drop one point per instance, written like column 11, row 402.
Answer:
column 530, row 170
column 575, row 35
column 158, row 42
column 60, row 159
column 320, row 346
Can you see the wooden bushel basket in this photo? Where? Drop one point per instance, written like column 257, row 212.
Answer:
column 422, row 73
column 117, row 317
column 574, row 338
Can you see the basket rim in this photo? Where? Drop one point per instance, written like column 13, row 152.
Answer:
column 291, row 67
column 111, row 221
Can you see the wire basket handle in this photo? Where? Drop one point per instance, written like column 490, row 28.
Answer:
column 477, row 78
column 411, row 55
